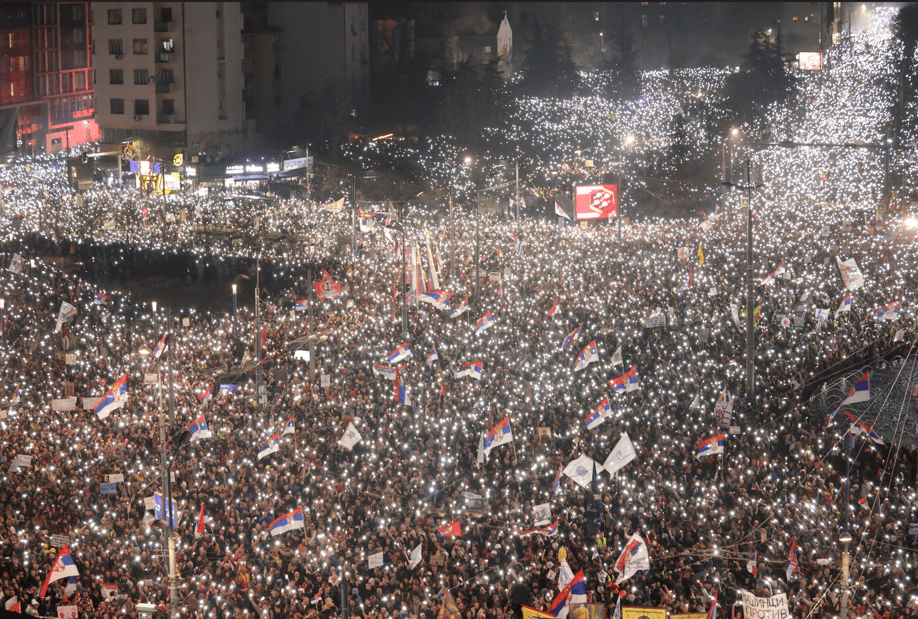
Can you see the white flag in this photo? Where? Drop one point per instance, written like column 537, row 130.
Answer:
column 416, row 557
column 696, row 403
column 723, row 410
column 850, row 273
column 66, row 315
column 16, row 264
column 622, row 454
column 617, row 357
column 350, row 438
column 565, row 575
column 633, row 559
column 376, row 560
column 541, row 514
column 581, row 471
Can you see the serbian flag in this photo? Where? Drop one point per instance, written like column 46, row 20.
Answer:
column 451, row 530
column 486, row 321
column 770, row 278
column 792, row 566
column 498, row 435
column 554, row 307
column 198, row 429
column 859, row 427
column 402, row 352
column 288, row 427
column 114, row 399
column 752, row 565
column 859, row 392
column 460, row 309
column 888, row 312
column 433, row 357
column 556, row 485
column 599, row 415
column 301, row 305
column 711, row 446
column 206, row 394
column 512, row 234
column 288, row 522
column 272, row 446
column 588, row 355
column 64, row 567
column 401, row 395
column 626, row 382
column 199, row 527
column 570, row 338
column 100, row 300
column 160, row 348
column 845, row 305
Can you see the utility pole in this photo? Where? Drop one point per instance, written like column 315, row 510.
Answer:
column 258, row 379
column 477, row 246
column 342, row 582
column 516, row 211
column 308, row 179
column 404, row 286
column 452, row 228
column 165, row 471
column 162, row 170
column 312, row 339
column 845, row 536
column 171, row 365
column 750, row 322
column 354, row 219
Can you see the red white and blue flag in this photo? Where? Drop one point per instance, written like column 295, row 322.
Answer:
column 486, row 321
column 199, row 526
column 115, row 398
column 599, row 415
column 770, row 278
column 634, row 558
column 401, row 394
column 198, row 429
column 472, row 369
column 460, row 309
column 845, row 305
column 402, row 352
column 859, row 392
column 556, row 487
column 437, row 298
column 499, row 435
column 385, row 371
column 859, row 427
column 626, row 382
column 63, row 567
column 711, row 446
column 272, row 446
column 160, row 348
column 587, row 356
column 571, row 337
column 301, row 305
column 206, row 394
column 288, row 428
column 101, row 298
column 288, row 522
column 433, row 357
column 888, row 312
column 554, row 307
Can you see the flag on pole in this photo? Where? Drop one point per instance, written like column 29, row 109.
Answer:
column 453, row 529
column 433, row 357
column 351, row 437
column 634, row 558
column 859, row 392
column 599, row 415
column 571, row 337
column 115, row 398
column 290, row 521
column 618, row 358
column 554, row 307
column 711, row 446
column 484, row 322
column 588, row 355
column 199, row 527
column 622, row 454
column 498, row 435
column 63, row 567
column 626, row 382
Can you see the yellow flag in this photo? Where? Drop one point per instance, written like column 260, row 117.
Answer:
column 700, row 255
column 532, row 613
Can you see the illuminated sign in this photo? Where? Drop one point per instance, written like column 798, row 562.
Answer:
column 810, row 61
column 596, row 201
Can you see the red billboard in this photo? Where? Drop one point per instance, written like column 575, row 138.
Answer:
column 596, row 201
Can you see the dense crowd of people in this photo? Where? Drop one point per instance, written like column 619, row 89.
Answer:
column 385, row 466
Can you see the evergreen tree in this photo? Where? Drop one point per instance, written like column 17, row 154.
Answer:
column 762, row 79
column 628, row 85
column 548, row 70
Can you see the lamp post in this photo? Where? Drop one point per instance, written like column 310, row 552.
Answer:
column 312, row 340
column 477, row 244
column 602, row 43
column 746, row 202
column 723, row 167
column 845, row 537
column 235, row 310
column 628, row 142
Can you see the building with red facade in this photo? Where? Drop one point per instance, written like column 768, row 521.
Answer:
column 46, row 77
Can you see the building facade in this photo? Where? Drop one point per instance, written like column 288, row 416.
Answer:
column 46, row 76
column 170, row 73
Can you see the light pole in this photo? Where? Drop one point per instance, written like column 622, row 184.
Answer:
column 602, row 43
column 235, row 310
column 746, row 202
column 628, row 142
column 258, row 387
column 845, row 537
column 312, row 339
column 723, row 167
column 477, row 244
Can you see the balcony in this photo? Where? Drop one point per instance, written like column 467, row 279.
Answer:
column 163, row 87
column 164, row 119
column 163, row 57
column 167, row 26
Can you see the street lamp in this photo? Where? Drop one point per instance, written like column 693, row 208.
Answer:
column 235, row 310
column 628, row 142
column 723, row 167
column 845, row 536
column 602, row 43
column 746, row 202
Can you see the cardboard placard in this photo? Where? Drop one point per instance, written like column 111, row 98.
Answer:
column 90, row 404
column 59, row 541
column 150, row 378
column 108, row 488
column 63, row 404
column 114, row 478
column 186, row 322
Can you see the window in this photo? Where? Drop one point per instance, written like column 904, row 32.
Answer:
column 139, row 16
column 486, row 49
column 595, row 15
column 115, row 76
column 165, row 15
column 140, row 46
column 795, row 18
column 141, row 77
column 644, row 20
column 141, row 107
column 117, row 106
column 114, row 17
column 114, row 47
column 166, row 76
column 168, row 106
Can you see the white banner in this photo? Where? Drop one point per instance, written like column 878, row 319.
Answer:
column 89, row 404
column 774, row 607
column 114, row 478
column 63, row 404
